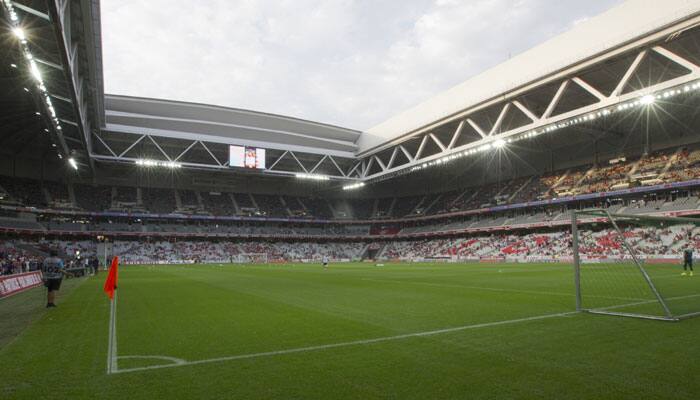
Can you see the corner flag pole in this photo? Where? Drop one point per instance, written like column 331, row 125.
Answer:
column 110, row 288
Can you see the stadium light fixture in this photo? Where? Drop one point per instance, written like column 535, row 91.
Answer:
column 19, row 32
column 354, row 186
column 314, row 177
column 648, row 99
column 645, row 100
column 72, row 163
column 35, row 71
column 156, row 163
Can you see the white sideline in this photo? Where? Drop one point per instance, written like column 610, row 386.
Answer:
column 342, row 344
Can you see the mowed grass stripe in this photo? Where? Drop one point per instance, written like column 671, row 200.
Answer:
column 220, row 318
column 580, row 356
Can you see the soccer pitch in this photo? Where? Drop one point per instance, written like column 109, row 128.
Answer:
column 419, row 331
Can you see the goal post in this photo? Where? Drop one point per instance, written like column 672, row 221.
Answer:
column 633, row 264
column 250, row 258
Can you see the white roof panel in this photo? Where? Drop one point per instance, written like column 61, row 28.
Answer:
column 628, row 21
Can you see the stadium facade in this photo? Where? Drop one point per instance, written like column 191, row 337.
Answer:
column 601, row 116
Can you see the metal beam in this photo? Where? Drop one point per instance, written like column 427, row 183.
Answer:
column 278, row 160
column 676, row 58
column 183, row 135
column 61, row 21
column 476, row 127
column 298, row 162
column 31, row 11
column 337, row 166
column 393, row 157
column 216, row 160
column 665, row 33
column 167, row 157
column 550, row 121
column 210, row 167
column 318, row 164
column 105, row 144
column 628, row 74
column 64, row 99
column 49, row 64
column 590, row 89
column 525, row 110
column 357, row 164
column 555, row 100
column 420, row 148
column 194, row 142
column 132, row 146
column 367, row 167
column 381, row 164
column 406, row 153
column 499, row 120
column 437, row 141
column 456, row 135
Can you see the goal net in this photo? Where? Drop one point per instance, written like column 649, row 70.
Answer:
column 633, row 265
column 250, row 258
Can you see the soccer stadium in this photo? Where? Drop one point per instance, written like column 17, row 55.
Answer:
column 528, row 233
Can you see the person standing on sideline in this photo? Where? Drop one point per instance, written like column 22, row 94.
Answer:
column 325, row 262
column 52, row 270
column 687, row 262
column 95, row 265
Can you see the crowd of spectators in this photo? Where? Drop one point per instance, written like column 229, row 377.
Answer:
column 646, row 241
column 146, row 252
column 14, row 260
column 659, row 167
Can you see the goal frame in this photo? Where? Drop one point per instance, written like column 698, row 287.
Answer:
column 612, row 219
column 250, row 256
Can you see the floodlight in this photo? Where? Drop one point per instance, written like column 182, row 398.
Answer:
column 499, row 143
column 648, row 99
column 35, row 70
column 314, row 177
column 72, row 163
column 355, row 185
column 19, row 32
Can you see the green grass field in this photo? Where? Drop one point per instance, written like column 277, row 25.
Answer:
column 402, row 331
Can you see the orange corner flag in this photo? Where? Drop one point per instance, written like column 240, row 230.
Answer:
column 111, row 282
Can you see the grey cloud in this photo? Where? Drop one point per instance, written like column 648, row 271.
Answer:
column 350, row 63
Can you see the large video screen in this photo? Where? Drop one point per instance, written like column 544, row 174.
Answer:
column 246, row 157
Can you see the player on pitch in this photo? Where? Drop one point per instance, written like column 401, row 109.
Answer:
column 325, row 262
column 687, row 262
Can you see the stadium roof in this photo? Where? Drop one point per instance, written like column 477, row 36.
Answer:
column 598, row 57
column 51, row 78
column 614, row 28
column 183, row 120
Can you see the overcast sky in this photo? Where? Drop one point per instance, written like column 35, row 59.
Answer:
column 352, row 63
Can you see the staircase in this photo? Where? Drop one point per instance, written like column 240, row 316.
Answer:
column 71, row 195
column 178, row 200
column 520, row 189
column 427, row 209
column 235, row 204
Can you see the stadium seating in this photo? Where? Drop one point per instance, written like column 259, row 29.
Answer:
column 672, row 165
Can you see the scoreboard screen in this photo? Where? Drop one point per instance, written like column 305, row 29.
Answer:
column 246, row 157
